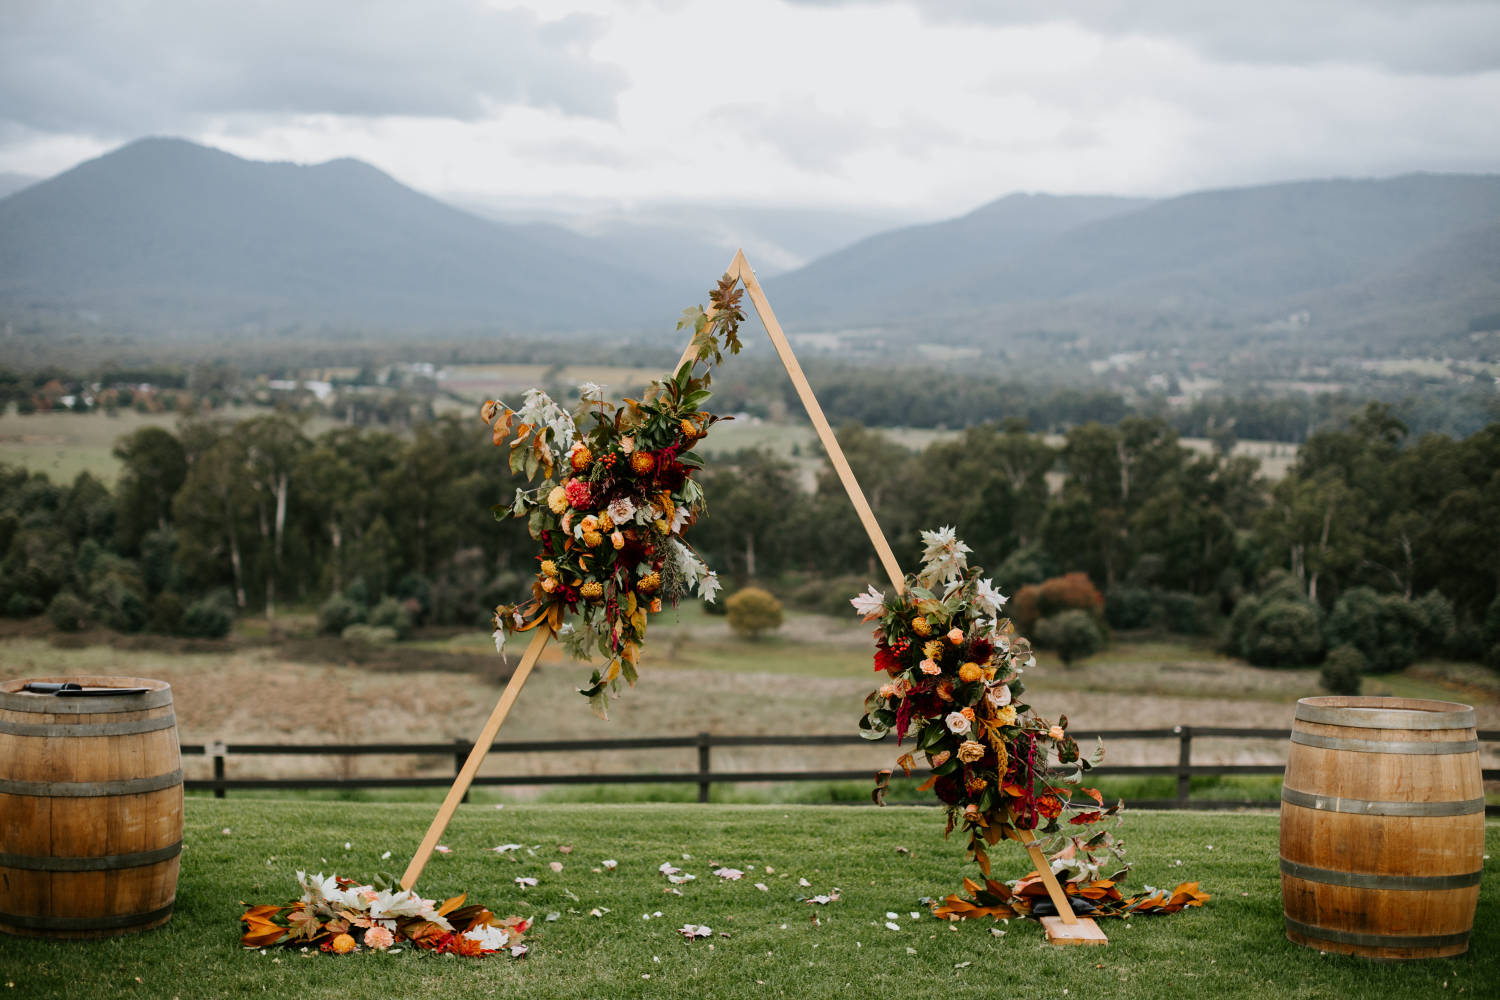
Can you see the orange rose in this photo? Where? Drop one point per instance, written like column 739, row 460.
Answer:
column 968, row 713
column 928, row 667
column 1056, row 733
column 956, row 636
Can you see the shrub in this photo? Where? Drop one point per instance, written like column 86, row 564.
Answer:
column 414, row 587
column 338, row 613
column 753, row 611
column 1386, row 629
column 68, row 611
column 1071, row 634
column 209, row 618
column 166, row 614
column 1239, row 626
column 371, row 635
column 1284, row 634
column 1343, row 671
column 1281, row 585
column 1070, row 592
column 1129, row 607
column 1026, row 566
column 1178, row 612
column 392, row 614
column 1438, row 621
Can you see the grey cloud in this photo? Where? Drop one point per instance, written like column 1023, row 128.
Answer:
column 122, row 69
column 1429, row 37
column 818, row 140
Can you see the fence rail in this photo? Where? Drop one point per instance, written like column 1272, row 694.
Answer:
column 705, row 776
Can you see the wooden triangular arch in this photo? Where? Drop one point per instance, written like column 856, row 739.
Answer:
column 1066, row 928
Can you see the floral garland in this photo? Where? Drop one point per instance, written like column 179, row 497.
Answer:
column 616, row 495
column 339, row 916
column 955, row 670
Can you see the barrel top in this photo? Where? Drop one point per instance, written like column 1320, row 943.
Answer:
column 1385, row 713
column 14, row 698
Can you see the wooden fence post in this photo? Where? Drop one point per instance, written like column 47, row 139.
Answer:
column 703, row 768
column 218, row 751
column 1184, row 761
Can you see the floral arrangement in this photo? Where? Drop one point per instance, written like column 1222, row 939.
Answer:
column 339, row 915
column 955, row 668
column 616, row 494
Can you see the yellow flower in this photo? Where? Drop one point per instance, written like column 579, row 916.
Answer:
column 1005, row 716
column 617, row 540
column 593, row 590
column 592, row 539
column 970, row 751
column 649, row 584
column 549, row 568
column 642, row 462
column 549, row 584
column 606, row 523
column 580, row 458
column 970, row 672
column 919, row 625
column 933, row 650
column 662, row 527
column 557, row 500
column 589, row 523
column 343, row 944
column 689, row 429
column 956, row 636
column 997, row 743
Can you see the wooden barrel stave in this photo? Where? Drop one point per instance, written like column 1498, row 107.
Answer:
column 93, row 812
column 1382, row 828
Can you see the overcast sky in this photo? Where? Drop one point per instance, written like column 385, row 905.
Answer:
column 925, row 108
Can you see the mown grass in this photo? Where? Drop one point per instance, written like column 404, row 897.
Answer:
column 765, row 944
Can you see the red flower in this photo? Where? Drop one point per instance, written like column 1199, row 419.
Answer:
column 949, row 789
column 980, row 650
column 887, row 660
column 578, row 494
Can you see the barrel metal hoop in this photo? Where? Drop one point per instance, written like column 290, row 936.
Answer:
column 1369, row 880
column 108, row 862
column 54, row 705
column 1377, row 940
column 91, row 789
column 86, row 923
column 1384, row 746
column 75, row 730
column 1385, row 718
column 1371, row 807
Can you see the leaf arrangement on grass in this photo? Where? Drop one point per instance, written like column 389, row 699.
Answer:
column 339, row 916
column 955, row 668
column 617, row 493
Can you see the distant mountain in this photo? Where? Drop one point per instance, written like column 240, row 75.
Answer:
column 900, row 268
column 10, row 182
column 1222, row 260
column 674, row 240
column 165, row 233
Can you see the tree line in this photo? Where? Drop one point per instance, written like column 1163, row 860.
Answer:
column 225, row 517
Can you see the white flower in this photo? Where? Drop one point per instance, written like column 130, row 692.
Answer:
column 988, row 599
column 869, row 604
column 489, row 938
column 621, row 510
column 708, row 586
column 499, row 636
column 592, row 391
column 957, row 723
column 944, row 557
column 999, row 695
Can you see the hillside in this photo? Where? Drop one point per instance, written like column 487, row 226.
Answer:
column 1230, row 261
column 166, row 234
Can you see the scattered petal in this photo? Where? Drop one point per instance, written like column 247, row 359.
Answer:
column 386, row 856
column 729, row 874
column 443, row 849
column 762, row 887
column 556, row 867
column 554, row 915
column 564, row 848
column 892, row 915
column 506, row 848
column 525, row 882
column 804, row 883
column 610, row 864
column 892, row 925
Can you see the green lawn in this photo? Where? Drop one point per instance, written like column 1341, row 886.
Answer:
column 765, row 944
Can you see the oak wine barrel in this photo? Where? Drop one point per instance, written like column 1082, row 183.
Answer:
column 1382, row 827
column 90, row 809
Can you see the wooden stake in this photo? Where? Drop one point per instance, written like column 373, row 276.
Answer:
column 1067, row 927
column 476, row 756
